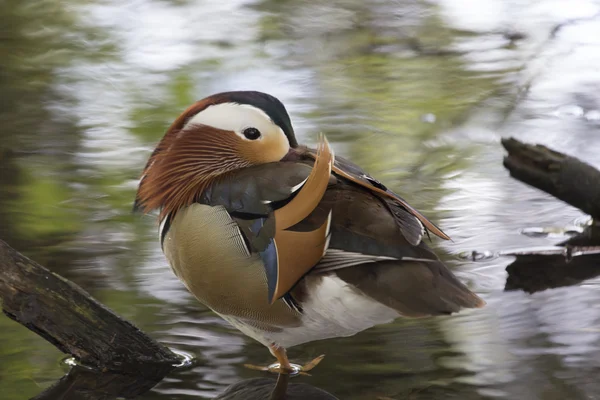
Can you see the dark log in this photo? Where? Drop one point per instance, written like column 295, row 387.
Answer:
column 69, row 318
column 558, row 174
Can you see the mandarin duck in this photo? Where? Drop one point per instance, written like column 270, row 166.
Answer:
column 288, row 244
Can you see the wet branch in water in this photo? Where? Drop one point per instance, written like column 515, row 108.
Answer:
column 69, row 318
column 574, row 182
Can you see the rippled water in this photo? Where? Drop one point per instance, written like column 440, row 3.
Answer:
column 417, row 92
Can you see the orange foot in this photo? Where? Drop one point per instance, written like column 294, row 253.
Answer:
column 283, row 366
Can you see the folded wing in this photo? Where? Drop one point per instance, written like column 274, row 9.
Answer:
column 292, row 212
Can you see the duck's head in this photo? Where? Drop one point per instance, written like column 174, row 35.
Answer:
column 216, row 135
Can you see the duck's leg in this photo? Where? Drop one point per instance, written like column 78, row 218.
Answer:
column 283, row 365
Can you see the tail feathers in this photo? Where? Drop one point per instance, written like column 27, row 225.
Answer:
column 414, row 289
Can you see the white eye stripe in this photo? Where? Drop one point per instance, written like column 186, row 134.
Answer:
column 235, row 117
column 271, row 146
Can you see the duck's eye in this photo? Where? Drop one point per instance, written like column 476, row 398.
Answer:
column 251, row 133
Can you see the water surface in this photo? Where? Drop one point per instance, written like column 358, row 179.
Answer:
column 417, row 92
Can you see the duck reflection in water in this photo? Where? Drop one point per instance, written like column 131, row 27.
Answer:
column 271, row 389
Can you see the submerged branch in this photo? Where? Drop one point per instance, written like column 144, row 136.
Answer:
column 535, row 271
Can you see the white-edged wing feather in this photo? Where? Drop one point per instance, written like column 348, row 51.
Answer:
column 338, row 259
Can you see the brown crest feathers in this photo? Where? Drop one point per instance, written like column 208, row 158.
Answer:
column 184, row 164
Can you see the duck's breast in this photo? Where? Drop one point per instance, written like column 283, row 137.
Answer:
column 207, row 252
